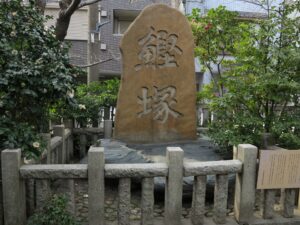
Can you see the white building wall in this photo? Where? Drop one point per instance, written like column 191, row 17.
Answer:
column 78, row 29
column 232, row 5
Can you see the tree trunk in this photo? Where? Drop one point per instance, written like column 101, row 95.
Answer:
column 61, row 27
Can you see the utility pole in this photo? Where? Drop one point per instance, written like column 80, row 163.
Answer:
column 93, row 52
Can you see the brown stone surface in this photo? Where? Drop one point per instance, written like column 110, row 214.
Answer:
column 158, row 93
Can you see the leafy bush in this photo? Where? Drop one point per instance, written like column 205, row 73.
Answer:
column 14, row 135
column 215, row 34
column 34, row 71
column 287, row 130
column 261, row 81
column 89, row 98
column 53, row 213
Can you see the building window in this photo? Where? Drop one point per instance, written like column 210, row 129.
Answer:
column 123, row 18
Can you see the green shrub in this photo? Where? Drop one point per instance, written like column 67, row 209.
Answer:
column 13, row 135
column 53, row 213
column 287, row 130
column 89, row 98
column 257, row 89
column 34, row 72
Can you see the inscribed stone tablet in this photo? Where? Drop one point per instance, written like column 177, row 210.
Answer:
column 279, row 169
column 157, row 97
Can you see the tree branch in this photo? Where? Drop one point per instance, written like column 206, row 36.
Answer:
column 94, row 64
column 255, row 2
column 88, row 2
column 72, row 7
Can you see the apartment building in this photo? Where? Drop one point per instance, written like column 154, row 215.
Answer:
column 118, row 15
column 115, row 16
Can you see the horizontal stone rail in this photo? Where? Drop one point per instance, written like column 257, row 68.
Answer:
column 55, row 142
column 73, row 171
column 212, row 167
column 61, row 145
column 136, row 170
column 88, row 130
column 68, row 132
column 53, row 171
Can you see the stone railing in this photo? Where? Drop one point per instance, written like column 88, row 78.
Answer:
column 59, row 147
column 244, row 166
column 59, row 150
column 64, row 137
column 86, row 134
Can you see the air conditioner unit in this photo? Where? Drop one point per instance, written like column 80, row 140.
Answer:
column 103, row 46
column 103, row 13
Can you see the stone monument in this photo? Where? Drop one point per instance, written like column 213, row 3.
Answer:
column 157, row 97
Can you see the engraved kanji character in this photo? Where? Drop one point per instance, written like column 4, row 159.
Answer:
column 146, row 102
column 148, row 52
column 158, row 50
column 163, row 100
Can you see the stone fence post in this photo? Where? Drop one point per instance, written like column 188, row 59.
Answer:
column 47, row 138
column 59, row 130
column 96, row 185
column 14, row 201
column 173, row 189
column 108, row 128
column 43, row 188
column 244, row 198
column 69, row 124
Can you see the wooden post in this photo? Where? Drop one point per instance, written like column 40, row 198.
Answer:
column 173, row 189
column 13, row 188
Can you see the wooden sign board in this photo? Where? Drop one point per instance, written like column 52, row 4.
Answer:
column 279, row 169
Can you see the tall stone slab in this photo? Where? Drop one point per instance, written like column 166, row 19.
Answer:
column 157, row 97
